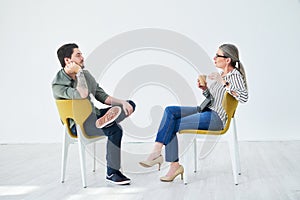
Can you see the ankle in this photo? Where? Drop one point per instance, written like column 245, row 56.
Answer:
column 174, row 165
column 172, row 170
column 157, row 146
column 154, row 155
column 110, row 171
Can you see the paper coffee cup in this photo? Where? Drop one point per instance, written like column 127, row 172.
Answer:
column 202, row 80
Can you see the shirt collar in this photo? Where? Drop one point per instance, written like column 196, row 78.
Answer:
column 66, row 75
column 231, row 72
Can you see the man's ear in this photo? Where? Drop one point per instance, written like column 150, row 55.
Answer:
column 67, row 60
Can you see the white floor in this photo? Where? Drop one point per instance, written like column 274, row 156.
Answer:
column 270, row 171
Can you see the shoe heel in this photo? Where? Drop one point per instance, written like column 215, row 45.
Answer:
column 181, row 176
column 159, row 164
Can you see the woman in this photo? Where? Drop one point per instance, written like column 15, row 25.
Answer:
column 209, row 116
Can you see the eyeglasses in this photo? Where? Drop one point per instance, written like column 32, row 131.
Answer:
column 217, row 55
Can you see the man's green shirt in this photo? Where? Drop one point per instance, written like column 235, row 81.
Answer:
column 64, row 87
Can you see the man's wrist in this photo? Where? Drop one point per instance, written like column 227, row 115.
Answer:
column 79, row 71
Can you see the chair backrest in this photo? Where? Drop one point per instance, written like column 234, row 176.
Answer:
column 78, row 110
column 229, row 104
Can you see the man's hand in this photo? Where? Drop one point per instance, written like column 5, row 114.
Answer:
column 112, row 101
column 72, row 67
column 127, row 108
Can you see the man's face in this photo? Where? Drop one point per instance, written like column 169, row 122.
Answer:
column 77, row 57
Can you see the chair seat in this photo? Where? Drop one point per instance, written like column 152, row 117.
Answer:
column 204, row 132
column 229, row 104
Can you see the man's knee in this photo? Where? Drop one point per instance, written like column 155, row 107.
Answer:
column 132, row 104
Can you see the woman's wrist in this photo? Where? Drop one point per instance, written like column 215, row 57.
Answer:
column 206, row 92
column 225, row 84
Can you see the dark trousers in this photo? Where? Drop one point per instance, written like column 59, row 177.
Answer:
column 114, row 135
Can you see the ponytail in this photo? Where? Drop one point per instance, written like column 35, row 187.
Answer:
column 241, row 69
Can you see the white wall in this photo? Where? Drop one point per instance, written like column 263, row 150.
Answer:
column 266, row 32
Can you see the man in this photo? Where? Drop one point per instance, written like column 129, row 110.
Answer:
column 72, row 82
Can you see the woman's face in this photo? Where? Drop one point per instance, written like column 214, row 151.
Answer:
column 220, row 60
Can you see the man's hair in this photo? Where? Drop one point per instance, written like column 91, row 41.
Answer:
column 65, row 51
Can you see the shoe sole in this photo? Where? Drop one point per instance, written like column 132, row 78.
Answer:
column 144, row 165
column 119, row 183
column 110, row 121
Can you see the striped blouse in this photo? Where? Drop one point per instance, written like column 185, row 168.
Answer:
column 217, row 90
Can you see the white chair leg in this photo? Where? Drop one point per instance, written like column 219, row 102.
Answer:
column 195, row 155
column 237, row 154
column 82, row 161
column 65, row 148
column 186, row 159
column 94, row 157
column 233, row 162
column 185, row 164
column 233, row 148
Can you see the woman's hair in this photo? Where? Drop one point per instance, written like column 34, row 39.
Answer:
column 65, row 51
column 231, row 51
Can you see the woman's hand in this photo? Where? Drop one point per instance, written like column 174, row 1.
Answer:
column 202, row 87
column 215, row 76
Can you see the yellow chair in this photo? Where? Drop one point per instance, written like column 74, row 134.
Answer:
column 229, row 104
column 79, row 110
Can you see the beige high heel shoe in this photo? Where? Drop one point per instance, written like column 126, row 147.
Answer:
column 149, row 163
column 180, row 171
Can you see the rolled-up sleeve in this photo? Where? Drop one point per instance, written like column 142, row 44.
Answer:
column 62, row 87
column 65, row 92
column 94, row 87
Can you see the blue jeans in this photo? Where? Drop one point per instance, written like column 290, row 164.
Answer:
column 177, row 118
column 114, row 135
